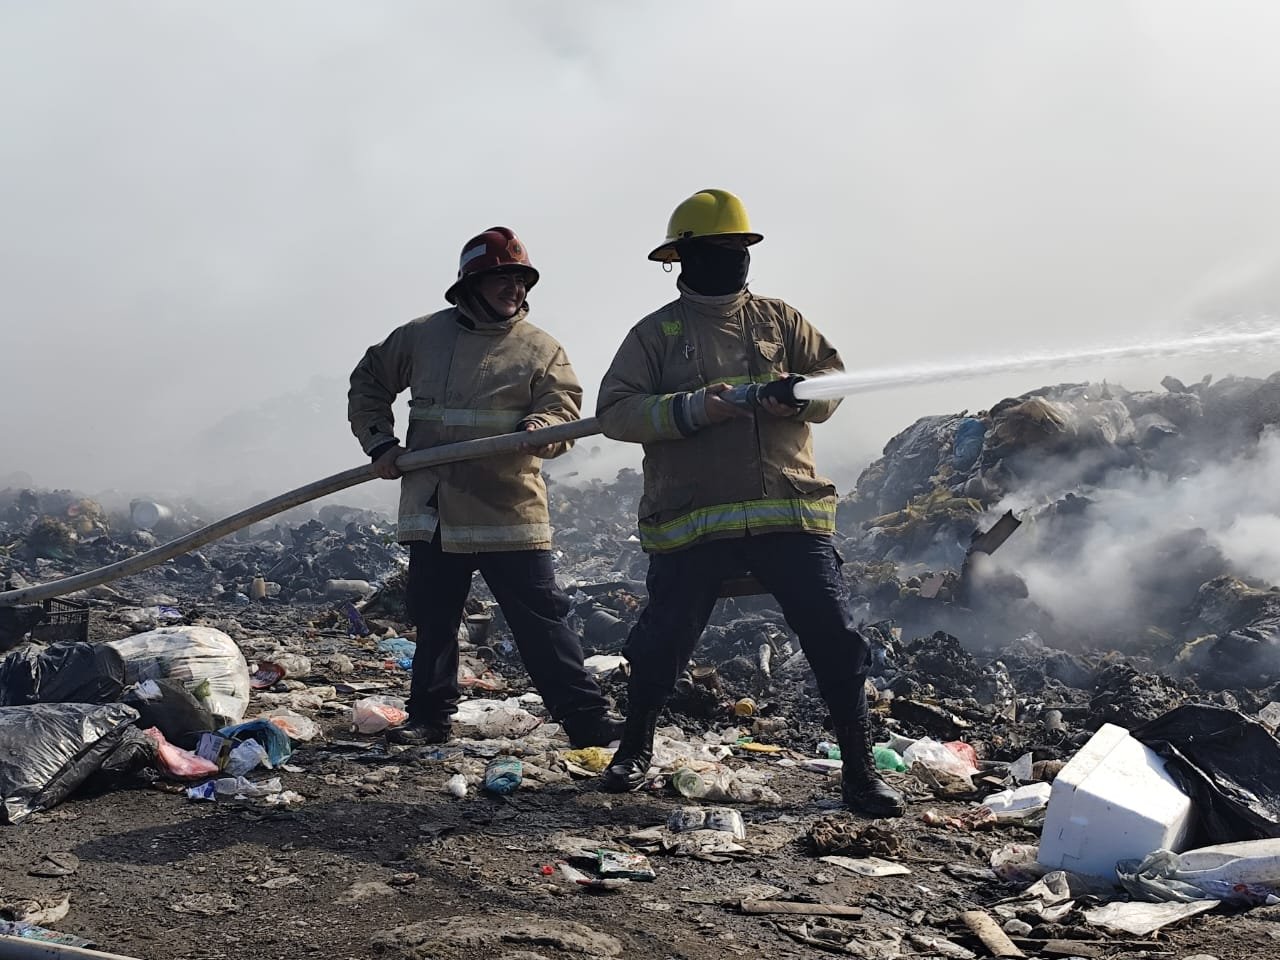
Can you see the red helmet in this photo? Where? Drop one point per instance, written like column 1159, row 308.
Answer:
column 494, row 249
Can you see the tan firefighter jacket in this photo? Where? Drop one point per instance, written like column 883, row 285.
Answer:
column 733, row 478
column 468, row 383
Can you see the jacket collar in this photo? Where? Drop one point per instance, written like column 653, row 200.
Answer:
column 473, row 319
column 725, row 305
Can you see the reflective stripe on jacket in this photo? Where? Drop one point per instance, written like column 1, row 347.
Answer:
column 468, row 380
column 728, row 479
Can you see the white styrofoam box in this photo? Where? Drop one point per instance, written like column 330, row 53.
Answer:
column 1113, row 801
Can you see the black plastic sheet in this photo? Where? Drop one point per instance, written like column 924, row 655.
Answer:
column 62, row 673
column 1227, row 763
column 177, row 714
column 47, row 750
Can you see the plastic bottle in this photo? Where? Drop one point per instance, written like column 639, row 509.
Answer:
column 502, row 775
column 888, row 759
column 258, row 589
column 689, row 783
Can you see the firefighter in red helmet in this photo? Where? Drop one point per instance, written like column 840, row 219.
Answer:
column 477, row 369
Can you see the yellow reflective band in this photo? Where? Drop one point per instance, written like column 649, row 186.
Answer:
column 750, row 516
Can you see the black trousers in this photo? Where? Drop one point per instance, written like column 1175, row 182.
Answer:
column 524, row 584
column 801, row 570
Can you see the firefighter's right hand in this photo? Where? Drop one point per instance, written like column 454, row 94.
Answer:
column 718, row 411
column 385, row 465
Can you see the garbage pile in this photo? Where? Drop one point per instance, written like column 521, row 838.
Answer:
column 937, row 477
column 1069, row 793
column 1081, row 468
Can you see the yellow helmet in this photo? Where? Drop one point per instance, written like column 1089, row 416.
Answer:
column 708, row 213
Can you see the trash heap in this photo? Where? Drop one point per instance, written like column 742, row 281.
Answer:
column 1070, row 794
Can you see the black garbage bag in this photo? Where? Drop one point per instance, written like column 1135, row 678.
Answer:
column 49, row 749
column 62, row 673
column 1227, row 763
column 169, row 706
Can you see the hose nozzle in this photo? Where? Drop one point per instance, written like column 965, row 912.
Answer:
column 750, row 395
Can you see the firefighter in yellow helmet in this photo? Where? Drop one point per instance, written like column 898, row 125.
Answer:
column 730, row 484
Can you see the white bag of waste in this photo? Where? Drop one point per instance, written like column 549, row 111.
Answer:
column 1246, row 873
column 493, row 719
column 204, row 660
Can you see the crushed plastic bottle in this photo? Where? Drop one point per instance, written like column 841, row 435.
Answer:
column 689, row 783
column 724, row 786
column 502, row 775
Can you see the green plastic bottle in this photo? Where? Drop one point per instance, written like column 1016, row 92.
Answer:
column 888, row 759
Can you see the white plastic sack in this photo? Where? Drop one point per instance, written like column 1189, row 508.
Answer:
column 1246, row 873
column 493, row 719
column 194, row 657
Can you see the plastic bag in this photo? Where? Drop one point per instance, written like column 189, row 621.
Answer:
column 937, row 756
column 177, row 763
column 494, row 719
column 62, row 673
column 49, row 749
column 274, row 740
column 200, row 658
column 170, row 708
column 245, row 757
column 1227, row 763
column 295, row 725
column 240, row 787
column 396, row 647
column 1016, row 863
column 375, row 714
column 1241, row 874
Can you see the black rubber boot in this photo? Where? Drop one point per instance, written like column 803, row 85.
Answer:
column 631, row 763
column 598, row 730
column 414, row 734
column 861, row 786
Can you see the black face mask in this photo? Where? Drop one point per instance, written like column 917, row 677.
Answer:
column 713, row 270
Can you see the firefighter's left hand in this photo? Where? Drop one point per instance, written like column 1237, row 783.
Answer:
column 777, row 408
column 534, row 450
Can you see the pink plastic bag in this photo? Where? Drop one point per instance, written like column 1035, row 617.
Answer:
column 375, row 714
column 964, row 751
column 178, row 763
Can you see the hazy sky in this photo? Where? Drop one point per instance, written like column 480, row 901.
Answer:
column 205, row 206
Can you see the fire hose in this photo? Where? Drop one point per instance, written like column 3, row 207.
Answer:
column 413, row 460
column 748, row 396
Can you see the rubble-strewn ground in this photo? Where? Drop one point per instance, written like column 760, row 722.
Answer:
column 378, row 859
